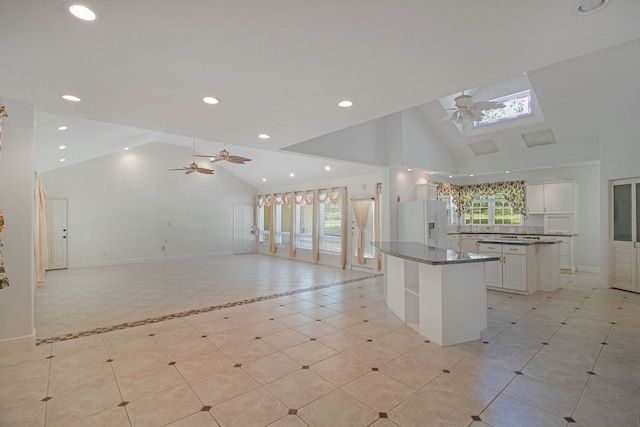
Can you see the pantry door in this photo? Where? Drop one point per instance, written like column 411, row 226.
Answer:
column 625, row 229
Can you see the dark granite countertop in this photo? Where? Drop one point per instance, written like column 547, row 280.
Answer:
column 418, row 252
column 518, row 241
column 501, row 233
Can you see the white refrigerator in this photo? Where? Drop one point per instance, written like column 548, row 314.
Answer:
column 423, row 221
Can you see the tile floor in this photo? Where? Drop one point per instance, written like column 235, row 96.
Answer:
column 334, row 356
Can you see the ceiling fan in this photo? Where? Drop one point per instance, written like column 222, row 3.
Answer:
column 467, row 111
column 193, row 167
column 224, row 155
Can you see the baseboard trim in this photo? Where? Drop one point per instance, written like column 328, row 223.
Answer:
column 588, row 269
column 150, row 259
column 23, row 337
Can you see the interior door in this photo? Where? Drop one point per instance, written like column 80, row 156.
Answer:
column 244, row 237
column 57, row 242
column 626, row 234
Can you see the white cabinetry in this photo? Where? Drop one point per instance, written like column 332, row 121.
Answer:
column 515, row 272
column 559, row 198
column 535, row 199
column 469, row 242
column 453, row 242
column 567, row 252
column 551, row 198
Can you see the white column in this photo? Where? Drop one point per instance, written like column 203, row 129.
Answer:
column 16, row 196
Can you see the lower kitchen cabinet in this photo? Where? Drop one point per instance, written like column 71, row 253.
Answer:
column 515, row 272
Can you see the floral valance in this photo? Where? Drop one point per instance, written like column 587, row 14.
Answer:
column 463, row 195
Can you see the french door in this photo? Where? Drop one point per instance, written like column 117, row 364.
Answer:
column 244, row 238
column 625, row 271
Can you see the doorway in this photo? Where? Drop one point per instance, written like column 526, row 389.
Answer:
column 244, row 238
column 367, row 236
column 625, row 232
column 57, row 242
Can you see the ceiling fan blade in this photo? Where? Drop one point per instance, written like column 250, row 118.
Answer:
column 213, row 156
column 488, row 105
column 190, row 171
column 238, row 159
column 206, row 171
column 180, row 169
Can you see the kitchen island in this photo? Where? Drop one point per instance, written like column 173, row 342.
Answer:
column 526, row 264
column 440, row 293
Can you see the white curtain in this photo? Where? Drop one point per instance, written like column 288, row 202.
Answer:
column 361, row 211
column 41, row 256
column 4, row 280
column 376, row 226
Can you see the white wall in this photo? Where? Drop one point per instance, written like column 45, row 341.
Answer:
column 126, row 206
column 421, row 146
column 357, row 186
column 16, row 196
column 619, row 158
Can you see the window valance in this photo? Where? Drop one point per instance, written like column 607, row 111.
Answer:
column 463, row 195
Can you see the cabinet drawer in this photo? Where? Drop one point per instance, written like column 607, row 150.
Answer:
column 491, row 248
column 468, row 237
column 514, row 249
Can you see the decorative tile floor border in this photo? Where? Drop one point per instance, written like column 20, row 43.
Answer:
column 73, row 335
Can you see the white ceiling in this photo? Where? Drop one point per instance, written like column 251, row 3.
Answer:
column 280, row 67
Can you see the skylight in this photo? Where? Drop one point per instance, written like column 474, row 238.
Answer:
column 515, row 106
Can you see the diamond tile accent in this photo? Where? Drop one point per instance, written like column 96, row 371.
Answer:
column 293, row 412
column 383, row 415
column 569, row 420
column 123, row 403
column 205, row 409
column 476, row 418
column 237, row 365
column 109, row 360
column 172, row 363
column 46, row 399
column 518, row 372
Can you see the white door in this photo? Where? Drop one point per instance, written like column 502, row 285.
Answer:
column 56, row 215
column 625, row 232
column 244, row 238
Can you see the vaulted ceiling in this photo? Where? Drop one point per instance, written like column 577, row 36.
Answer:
column 280, row 68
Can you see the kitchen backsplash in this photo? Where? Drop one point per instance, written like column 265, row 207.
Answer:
column 500, row 229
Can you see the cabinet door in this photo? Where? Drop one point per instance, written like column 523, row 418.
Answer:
column 535, row 199
column 514, row 272
column 492, row 269
column 469, row 246
column 558, row 197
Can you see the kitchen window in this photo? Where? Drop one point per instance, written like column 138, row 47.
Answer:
column 491, row 210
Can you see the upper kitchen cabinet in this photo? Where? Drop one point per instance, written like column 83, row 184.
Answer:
column 535, row 199
column 551, row 198
column 559, row 198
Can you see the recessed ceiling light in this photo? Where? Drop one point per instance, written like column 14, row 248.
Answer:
column 431, row 173
column 264, row 179
column 471, row 175
column 82, row 12
column 345, row 103
column 62, row 128
column 71, row 98
column 327, row 168
column 62, row 147
column 587, row 7
column 264, row 136
column 63, row 160
column 450, row 176
column 409, row 169
column 291, row 175
column 507, row 172
column 210, row 100
column 126, row 148
column 213, row 159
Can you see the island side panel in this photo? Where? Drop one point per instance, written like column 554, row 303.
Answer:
column 453, row 302
column 394, row 281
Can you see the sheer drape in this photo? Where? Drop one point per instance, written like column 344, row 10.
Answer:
column 376, row 228
column 41, row 256
column 4, row 280
column 361, row 211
